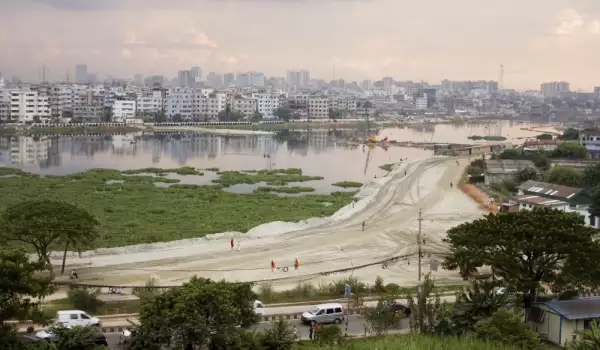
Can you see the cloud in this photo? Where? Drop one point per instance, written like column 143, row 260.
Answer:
column 570, row 21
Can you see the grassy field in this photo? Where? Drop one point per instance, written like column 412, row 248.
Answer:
column 410, row 342
column 132, row 210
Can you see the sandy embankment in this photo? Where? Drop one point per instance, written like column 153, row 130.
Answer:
column 389, row 206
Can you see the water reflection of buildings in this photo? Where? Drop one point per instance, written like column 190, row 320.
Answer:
column 47, row 151
column 41, row 151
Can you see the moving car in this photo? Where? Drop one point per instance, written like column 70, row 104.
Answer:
column 324, row 313
column 99, row 339
column 259, row 307
column 71, row 318
column 400, row 309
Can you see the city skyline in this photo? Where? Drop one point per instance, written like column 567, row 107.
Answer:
column 407, row 41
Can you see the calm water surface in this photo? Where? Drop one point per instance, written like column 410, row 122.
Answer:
column 319, row 153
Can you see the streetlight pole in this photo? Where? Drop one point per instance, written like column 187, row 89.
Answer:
column 348, row 297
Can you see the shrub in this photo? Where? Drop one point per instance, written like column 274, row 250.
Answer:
column 84, row 299
column 392, row 288
column 330, row 335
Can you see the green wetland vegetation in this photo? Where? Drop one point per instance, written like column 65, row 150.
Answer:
column 348, row 184
column 386, row 167
column 133, row 210
column 487, row 138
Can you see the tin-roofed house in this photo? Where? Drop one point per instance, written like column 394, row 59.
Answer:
column 570, row 199
column 499, row 170
column 559, row 321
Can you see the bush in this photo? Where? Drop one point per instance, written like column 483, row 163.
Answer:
column 279, row 336
column 330, row 335
column 509, row 328
column 84, row 299
column 392, row 288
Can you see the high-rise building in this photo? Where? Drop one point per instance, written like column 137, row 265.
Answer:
column 298, row 78
column 250, row 79
column 228, row 79
column 184, row 78
column 196, row 74
column 81, row 74
column 554, row 89
column 596, row 91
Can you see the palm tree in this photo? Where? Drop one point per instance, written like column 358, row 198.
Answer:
column 476, row 302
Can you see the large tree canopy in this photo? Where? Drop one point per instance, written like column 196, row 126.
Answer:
column 526, row 248
column 199, row 313
column 20, row 282
column 43, row 224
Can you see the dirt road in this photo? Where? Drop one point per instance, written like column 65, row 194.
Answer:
column 391, row 228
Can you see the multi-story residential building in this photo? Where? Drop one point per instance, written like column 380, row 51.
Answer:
column 4, row 111
column 29, row 106
column 554, row 89
column 180, row 103
column 266, row 104
column 590, row 138
column 208, row 107
column 421, row 103
column 123, row 109
column 343, row 103
column 246, row 106
column 150, row 103
column 298, row 78
column 318, row 107
column 89, row 107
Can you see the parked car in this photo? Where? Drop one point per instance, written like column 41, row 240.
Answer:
column 324, row 313
column 400, row 309
column 71, row 318
column 99, row 339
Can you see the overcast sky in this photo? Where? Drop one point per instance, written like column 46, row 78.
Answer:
column 536, row 40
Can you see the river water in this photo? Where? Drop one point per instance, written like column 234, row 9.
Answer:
column 318, row 152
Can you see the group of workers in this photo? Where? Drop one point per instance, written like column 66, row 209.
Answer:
column 296, row 265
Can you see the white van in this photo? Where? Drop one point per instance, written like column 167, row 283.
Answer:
column 324, row 313
column 71, row 318
column 259, row 307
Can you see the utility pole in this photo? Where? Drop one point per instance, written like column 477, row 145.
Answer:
column 419, row 240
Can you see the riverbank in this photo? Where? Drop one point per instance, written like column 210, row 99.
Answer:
column 70, row 130
column 175, row 212
column 221, row 131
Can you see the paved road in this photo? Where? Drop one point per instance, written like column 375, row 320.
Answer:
column 355, row 327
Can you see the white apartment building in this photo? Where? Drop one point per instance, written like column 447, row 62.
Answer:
column 591, row 140
column 28, row 106
column 344, row 103
column 318, row 107
column 266, row 104
column 180, row 103
column 246, row 106
column 4, row 111
column 123, row 109
column 421, row 103
column 152, row 103
column 207, row 108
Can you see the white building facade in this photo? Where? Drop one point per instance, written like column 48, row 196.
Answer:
column 123, row 109
column 28, row 106
column 266, row 105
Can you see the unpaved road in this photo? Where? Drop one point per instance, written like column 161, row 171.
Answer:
column 391, row 230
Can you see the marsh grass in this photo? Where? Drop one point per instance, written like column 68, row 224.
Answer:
column 386, row 167
column 186, row 170
column 276, row 177
column 347, row 184
column 135, row 211
column 293, row 189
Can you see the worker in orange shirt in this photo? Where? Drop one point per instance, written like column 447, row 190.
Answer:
column 297, row 264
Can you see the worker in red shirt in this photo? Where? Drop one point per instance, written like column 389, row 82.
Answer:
column 232, row 243
column 272, row 266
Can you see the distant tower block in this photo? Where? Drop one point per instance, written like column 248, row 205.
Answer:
column 501, row 81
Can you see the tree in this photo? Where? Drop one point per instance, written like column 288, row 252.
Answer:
column 595, row 207
column 256, row 117
column 21, row 282
column 199, row 313
column 177, row 118
column 425, row 311
column 570, row 135
column 76, row 338
column 507, row 327
column 160, row 116
column 45, row 223
column 474, row 303
column 525, row 248
column 330, row 336
column 527, row 174
column 544, row 137
column 379, row 318
column 591, row 176
column 283, row 113
column 565, row 176
column 570, row 150
column 279, row 336
column 107, row 114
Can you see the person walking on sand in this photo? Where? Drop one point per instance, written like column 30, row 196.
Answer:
column 238, row 245
column 231, row 243
column 363, row 226
column 272, row 266
column 296, row 264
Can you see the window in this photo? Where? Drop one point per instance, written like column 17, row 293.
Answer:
column 321, row 312
column 329, row 311
column 338, row 310
column 73, row 316
column 85, row 317
column 587, row 323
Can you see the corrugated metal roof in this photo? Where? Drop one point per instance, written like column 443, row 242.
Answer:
column 507, row 166
column 548, row 189
column 576, row 309
column 537, row 200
